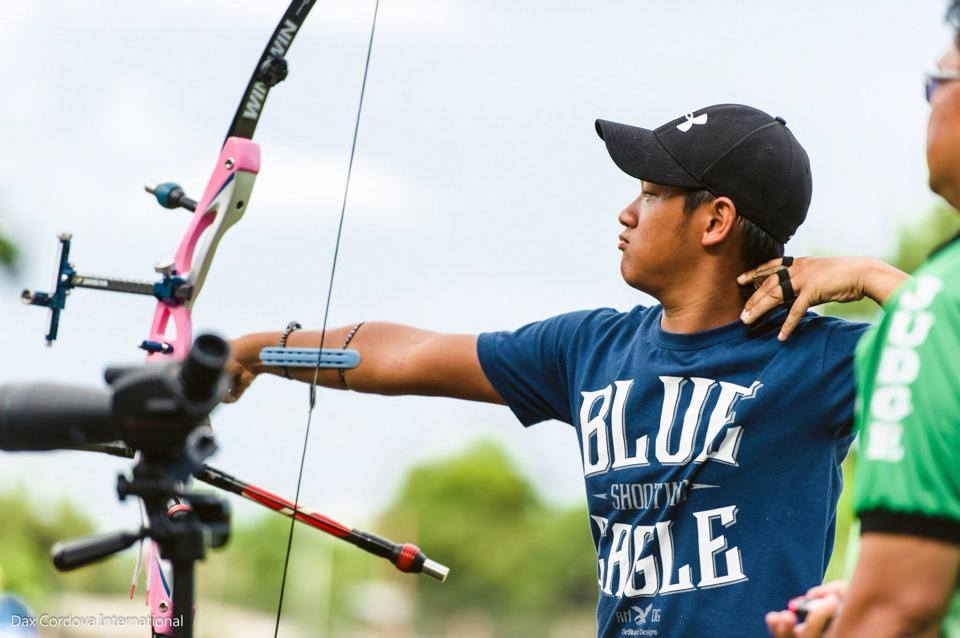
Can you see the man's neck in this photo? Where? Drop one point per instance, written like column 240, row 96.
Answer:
column 700, row 305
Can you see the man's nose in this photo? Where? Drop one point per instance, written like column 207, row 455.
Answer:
column 627, row 218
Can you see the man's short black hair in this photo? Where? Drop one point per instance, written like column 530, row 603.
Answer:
column 756, row 245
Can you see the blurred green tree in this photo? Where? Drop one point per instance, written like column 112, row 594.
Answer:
column 29, row 530
column 517, row 559
column 9, row 254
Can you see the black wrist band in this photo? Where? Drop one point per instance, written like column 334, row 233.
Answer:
column 293, row 325
column 346, row 342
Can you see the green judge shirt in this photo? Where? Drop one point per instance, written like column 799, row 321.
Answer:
column 908, row 413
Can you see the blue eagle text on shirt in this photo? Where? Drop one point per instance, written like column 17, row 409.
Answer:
column 711, row 461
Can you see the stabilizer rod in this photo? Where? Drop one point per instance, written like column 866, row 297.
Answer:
column 404, row 556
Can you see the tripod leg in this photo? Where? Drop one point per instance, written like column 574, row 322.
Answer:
column 184, row 583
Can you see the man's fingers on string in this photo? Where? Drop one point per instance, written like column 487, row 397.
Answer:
column 800, row 307
column 760, row 271
column 767, row 297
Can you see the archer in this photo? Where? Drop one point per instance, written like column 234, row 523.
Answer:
column 711, row 444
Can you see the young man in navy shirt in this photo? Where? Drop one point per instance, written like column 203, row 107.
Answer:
column 711, row 445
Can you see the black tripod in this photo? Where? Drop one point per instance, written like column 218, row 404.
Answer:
column 160, row 411
column 182, row 533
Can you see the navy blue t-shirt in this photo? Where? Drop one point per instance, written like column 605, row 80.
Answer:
column 711, row 460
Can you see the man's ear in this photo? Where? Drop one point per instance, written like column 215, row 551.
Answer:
column 721, row 214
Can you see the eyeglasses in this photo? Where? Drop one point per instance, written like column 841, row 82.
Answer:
column 934, row 79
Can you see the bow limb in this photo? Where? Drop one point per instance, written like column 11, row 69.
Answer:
column 228, row 190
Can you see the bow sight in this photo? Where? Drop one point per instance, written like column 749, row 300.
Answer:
column 172, row 289
column 175, row 289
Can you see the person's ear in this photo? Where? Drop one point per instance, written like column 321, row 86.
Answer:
column 721, row 214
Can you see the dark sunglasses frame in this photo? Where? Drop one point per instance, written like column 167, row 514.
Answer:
column 933, row 80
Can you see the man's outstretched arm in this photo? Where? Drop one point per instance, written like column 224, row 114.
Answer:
column 395, row 359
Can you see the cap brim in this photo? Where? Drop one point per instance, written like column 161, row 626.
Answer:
column 638, row 153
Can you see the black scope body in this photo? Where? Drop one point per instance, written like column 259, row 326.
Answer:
column 146, row 406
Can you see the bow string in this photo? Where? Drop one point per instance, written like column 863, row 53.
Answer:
column 326, row 311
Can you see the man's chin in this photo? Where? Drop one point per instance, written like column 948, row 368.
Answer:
column 634, row 279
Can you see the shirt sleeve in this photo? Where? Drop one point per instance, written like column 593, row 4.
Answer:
column 838, row 384
column 907, row 479
column 532, row 367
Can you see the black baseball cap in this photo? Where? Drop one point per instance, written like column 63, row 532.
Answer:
column 729, row 149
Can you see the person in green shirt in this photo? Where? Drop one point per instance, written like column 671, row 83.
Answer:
column 907, row 487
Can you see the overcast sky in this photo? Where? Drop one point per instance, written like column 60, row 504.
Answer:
column 482, row 198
